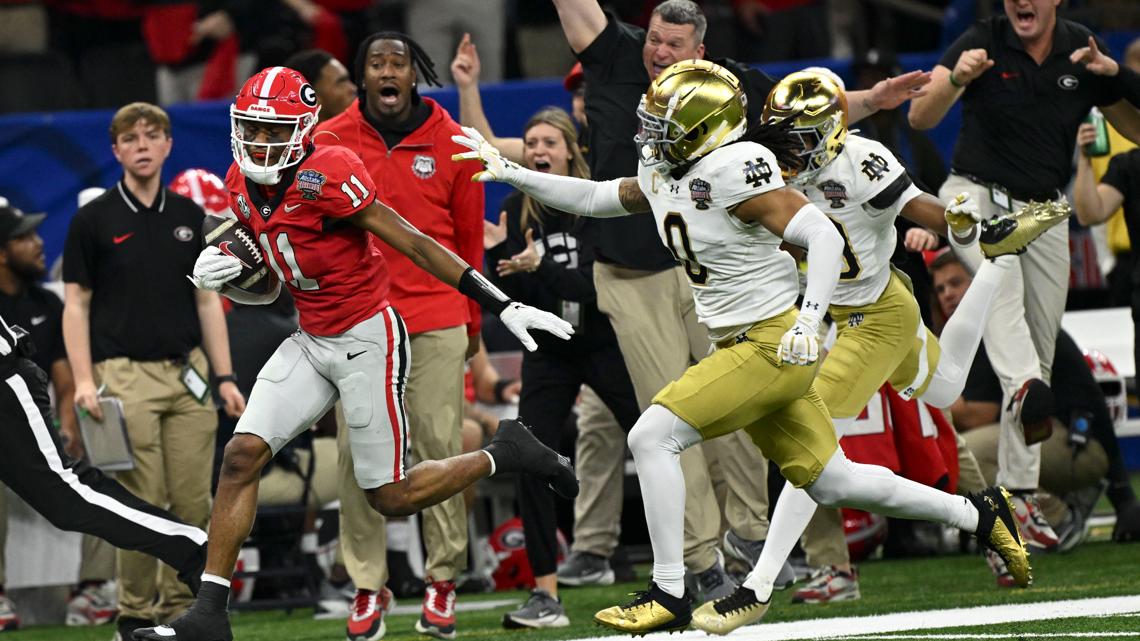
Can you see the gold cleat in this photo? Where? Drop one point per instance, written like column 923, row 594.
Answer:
column 733, row 611
column 653, row 610
column 997, row 530
column 1012, row 234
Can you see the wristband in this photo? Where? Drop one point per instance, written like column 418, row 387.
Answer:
column 475, row 286
column 955, row 82
column 228, row 378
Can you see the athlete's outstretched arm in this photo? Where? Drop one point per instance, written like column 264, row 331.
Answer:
column 617, row 197
column 928, row 211
column 440, row 262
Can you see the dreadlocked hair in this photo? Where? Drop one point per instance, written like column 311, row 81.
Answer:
column 425, row 68
column 777, row 136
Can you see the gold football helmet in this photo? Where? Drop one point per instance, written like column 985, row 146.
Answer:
column 693, row 107
column 819, row 106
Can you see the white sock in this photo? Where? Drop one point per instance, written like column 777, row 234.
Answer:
column 876, row 489
column 790, row 518
column 793, row 510
column 212, row 578
column 963, row 332
column 656, row 441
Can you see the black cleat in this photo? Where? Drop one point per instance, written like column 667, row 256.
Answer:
column 515, row 449
column 195, row 625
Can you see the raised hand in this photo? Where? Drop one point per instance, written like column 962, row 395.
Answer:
column 465, row 67
column 495, row 167
column 892, row 92
column 494, row 234
column 525, row 261
column 971, row 64
column 1095, row 60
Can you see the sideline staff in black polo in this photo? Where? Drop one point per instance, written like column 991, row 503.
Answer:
column 1026, row 80
column 131, row 311
column 640, row 286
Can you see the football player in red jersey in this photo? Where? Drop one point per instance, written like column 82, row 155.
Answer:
column 314, row 212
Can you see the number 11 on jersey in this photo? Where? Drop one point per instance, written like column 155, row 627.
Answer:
column 298, row 281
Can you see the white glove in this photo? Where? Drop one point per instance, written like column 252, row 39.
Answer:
column 7, row 339
column 213, row 269
column 799, row 345
column 495, row 167
column 519, row 318
column 962, row 214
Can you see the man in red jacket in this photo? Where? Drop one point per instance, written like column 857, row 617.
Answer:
column 405, row 142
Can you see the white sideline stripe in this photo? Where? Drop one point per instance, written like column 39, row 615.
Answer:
column 47, row 448
column 841, row 627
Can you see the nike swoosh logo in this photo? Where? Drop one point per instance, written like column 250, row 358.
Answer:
column 224, row 247
column 36, row 320
column 291, row 208
column 119, row 239
column 352, row 356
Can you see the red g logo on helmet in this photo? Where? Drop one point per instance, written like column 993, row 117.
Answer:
column 276, row 96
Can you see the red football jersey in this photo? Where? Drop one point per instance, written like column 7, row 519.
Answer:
column 337, row 275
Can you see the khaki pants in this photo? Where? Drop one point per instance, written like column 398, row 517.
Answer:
column 284, row 487
column 172, row 436
column 1027, row 313
column 656, row 324
column 363, row 531
column 600, row 462
column 435, row 410
column 1061, row 471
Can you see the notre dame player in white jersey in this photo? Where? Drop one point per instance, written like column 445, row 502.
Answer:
column 722, row 207
column 862, row 188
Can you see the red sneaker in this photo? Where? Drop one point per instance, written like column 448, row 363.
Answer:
column 1034, row 528
column 366, row 619
column 9, row 620
column 438, row 617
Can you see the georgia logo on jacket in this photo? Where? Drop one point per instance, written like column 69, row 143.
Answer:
column 423, row 166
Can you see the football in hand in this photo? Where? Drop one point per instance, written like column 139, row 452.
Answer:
column 235, row 239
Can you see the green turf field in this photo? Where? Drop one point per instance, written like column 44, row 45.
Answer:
column 1093, row 570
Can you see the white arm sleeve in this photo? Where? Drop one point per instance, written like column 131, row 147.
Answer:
column 572, row 195
column 246, row 298
column 810, row 229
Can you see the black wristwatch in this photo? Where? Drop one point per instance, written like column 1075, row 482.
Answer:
column 228, row 378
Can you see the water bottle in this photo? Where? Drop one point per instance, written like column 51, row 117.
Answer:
column 1101, row 146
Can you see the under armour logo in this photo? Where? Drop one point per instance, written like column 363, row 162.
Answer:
column 811, row 306
column 875, row 166
column 674, row 188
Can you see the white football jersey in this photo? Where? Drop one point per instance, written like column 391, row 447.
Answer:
column 738, row 273
column 862, row 191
